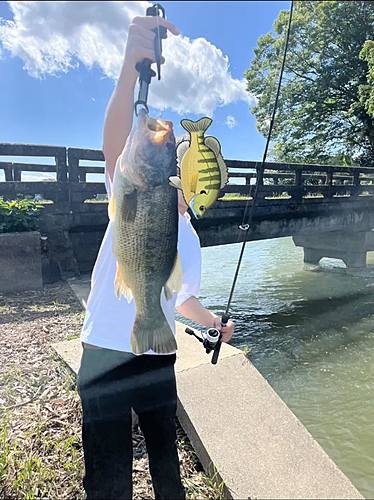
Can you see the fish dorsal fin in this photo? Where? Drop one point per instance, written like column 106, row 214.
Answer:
column 215, row 146
column 174, row 181
column 192, row 181
column 199, row 126
column 174, row 283
column 181, row 151
column 120, row 285
column 112, row 208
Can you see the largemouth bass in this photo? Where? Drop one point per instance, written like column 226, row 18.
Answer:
column 144, row 211
column 202, row 168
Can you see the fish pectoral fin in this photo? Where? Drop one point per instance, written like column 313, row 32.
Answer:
column 199, row 126
column 174, row 181
column 181, row 151
column 223, row 169
column 112, row 208
column 192, row 181
column 214, row 145
column 174, row 283
column 120, row 285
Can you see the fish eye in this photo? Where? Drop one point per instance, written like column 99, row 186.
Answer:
column 203, row 192
column 202, row 208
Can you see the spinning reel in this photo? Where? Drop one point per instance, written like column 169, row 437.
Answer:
column 211, row 339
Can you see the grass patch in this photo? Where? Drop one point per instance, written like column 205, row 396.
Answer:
column 39, row 465
column 278, row 196
column 72, row 337
column 235, row 196
column 6, row 309
column 95, row 201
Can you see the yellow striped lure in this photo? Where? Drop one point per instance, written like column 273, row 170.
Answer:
column 203, row 172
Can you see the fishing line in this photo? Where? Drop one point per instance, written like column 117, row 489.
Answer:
column 259, row 176
column 210, row 175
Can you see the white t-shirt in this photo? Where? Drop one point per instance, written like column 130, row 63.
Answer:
column 108, row 321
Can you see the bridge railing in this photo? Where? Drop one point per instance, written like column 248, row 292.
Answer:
column 66, row 197
column 300, row 183
column 74, row 201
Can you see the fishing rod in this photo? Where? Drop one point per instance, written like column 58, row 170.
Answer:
column 259, row 180
column 144, row 68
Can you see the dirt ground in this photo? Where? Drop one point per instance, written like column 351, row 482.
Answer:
column 41, row 454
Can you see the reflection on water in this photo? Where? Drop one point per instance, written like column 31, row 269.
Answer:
column 311, row 335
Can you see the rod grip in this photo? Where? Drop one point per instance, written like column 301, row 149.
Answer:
column 216, row 352
column 224, row 320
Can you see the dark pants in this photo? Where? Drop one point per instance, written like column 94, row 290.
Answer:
column 110, row 383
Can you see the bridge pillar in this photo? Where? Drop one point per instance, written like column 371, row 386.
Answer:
column 350, row 247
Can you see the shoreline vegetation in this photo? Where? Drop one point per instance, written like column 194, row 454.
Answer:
column 41, row 453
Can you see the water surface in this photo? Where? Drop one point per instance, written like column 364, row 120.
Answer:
column 311, row 335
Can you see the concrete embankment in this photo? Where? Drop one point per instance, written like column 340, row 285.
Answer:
column 238, row 424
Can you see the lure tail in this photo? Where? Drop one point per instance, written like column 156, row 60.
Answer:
column 200, row 126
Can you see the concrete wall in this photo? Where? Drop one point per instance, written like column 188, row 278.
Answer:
column 20, row 261
column 349, row 246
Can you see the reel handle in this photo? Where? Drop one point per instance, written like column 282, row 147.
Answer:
column 216, row 351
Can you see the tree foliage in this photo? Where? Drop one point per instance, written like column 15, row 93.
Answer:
column 325, row 108
column 366, row 92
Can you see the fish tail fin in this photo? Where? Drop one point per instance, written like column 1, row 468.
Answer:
column 149, row 334
column 199, row 126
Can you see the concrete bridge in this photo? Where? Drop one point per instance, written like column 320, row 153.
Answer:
column 328, row 210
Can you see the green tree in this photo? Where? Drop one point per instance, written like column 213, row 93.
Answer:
column 324, row 113
column 366, row 92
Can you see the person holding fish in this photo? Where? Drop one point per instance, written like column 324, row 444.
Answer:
column 149, row 264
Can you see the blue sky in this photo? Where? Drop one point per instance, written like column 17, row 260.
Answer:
column 67, row 108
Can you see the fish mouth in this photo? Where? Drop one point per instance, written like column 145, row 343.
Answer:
column 160, row 131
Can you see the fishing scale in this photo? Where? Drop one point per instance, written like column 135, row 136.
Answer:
column 144, row 67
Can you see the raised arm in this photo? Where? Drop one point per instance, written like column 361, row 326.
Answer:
column 120, row 110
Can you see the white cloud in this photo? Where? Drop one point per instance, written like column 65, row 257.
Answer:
column 94, row 100
column 53, row 37
column 230, row 121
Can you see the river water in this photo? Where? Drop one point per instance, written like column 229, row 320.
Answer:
column 311, row 335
